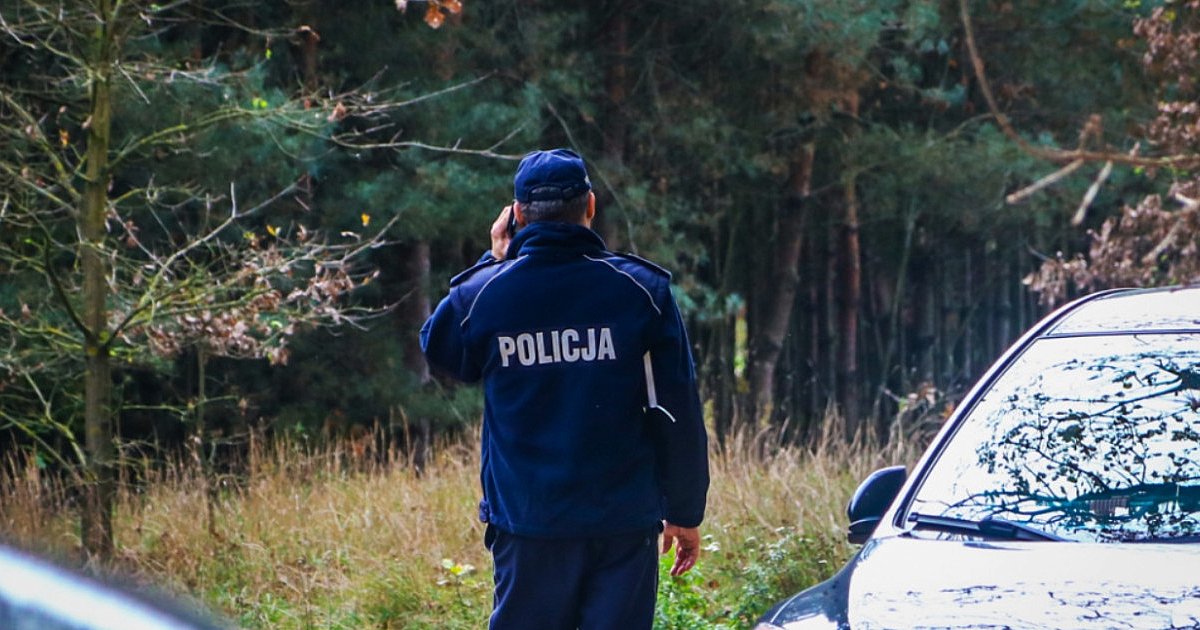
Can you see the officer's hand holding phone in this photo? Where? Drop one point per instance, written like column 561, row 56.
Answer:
column 503, row 229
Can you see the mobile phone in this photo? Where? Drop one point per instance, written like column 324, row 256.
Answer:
column 512, row 220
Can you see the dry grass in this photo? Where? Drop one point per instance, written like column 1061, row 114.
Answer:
column 314, row 539
column 793, row 486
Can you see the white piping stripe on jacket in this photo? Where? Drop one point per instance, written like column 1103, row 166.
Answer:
column 485, row 286
column 631, row 279
column 651, row 394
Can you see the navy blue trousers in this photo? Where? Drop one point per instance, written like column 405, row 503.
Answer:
column 584, row 583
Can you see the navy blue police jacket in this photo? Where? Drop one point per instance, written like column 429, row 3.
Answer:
column 592, row 420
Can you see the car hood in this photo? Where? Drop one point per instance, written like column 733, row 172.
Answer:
column 905, row 582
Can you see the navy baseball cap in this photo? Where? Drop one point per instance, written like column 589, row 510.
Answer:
column 550, row 175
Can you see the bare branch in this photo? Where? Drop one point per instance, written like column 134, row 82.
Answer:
column 149, row 298
column 1090, row 195
column 488, row 153
column 64, row 174
column 612, row 190
column 88, row 333
column 1185, row 160
column 1166, row 243
column 160, row 136
column 1026, row 192
column 370, row 109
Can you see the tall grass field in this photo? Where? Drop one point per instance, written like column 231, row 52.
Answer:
column 339, row 538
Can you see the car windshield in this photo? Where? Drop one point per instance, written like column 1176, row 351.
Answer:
column 1091, row 438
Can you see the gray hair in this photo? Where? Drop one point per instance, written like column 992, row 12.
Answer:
column 561, row 210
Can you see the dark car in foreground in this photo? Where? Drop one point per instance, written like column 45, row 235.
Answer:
column 1064, row 492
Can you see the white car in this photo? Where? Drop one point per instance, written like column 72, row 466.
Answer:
column 1064, row 492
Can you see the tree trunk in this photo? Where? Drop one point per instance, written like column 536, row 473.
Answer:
column 725, row 393
column 203, row 448
column 414, row 309
column 308, row 70
column 96, row 518
column 308, row 56
column 849, row 302
column 894, row 332
column 779, row 302
column 927, row 326
column 615, row 44
column 719, row 371
column 816, row 337
column 1010, row 280
column 967, row 328
column 616, row 80
column 829, row 311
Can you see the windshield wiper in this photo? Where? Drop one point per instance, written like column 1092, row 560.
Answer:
column 990, row 527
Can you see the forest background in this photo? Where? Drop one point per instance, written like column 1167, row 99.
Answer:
column 222, row 223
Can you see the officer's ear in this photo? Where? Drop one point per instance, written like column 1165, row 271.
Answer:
column 591, row 210
column 519, row 212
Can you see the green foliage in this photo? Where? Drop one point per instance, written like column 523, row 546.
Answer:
column 734, row 583
column 687, row 601
column 1017, row 41
column 222, row 173
column 739, row 580
column 692, row 153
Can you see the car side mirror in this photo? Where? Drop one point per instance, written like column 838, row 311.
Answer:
column 871, row 500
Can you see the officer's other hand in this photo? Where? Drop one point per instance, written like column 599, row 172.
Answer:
column 687, row 546
column 500, row 237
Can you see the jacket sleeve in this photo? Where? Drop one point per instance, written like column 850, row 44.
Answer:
column 676, row 419
column 443, row 341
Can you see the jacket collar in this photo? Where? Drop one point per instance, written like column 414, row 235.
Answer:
column 553, row 238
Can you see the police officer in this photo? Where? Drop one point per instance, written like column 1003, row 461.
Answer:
column 593, row 439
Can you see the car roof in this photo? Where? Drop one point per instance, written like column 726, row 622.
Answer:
column 1133, row 310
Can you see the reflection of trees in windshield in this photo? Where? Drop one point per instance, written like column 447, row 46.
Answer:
column 1090, row 437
